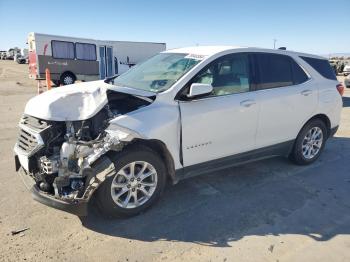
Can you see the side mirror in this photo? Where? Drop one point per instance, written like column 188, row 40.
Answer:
column 197, row 89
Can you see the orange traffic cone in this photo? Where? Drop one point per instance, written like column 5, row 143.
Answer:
column 48, row 79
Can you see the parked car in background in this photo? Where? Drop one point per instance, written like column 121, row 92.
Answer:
column 347, row 81
column 2, row 55
column 71, row 58
column 181, row 113
column 346, row 70
column 22, row 59
column 12, row 53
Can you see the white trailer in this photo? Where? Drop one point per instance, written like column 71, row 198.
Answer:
column 71, row 58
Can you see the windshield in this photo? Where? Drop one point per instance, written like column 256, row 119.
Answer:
column 158, row 73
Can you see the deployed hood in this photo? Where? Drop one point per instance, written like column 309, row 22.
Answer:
column 75, row 102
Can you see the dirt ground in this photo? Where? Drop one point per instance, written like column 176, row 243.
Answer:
column 266, row 211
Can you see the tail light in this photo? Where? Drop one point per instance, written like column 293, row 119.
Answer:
column 340, row 89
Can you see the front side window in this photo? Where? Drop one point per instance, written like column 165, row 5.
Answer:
column 158, row 73
column 62, row 49
column 274, row 71
column 227, row 75
column 85, row 51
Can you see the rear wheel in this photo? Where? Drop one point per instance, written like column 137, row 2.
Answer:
column 67, row 78
column 137, row 184
column 309, row 143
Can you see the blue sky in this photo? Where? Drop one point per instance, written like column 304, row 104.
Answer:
column 315, row 26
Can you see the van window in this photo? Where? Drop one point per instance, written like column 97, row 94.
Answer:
column 322, row 66
column 85, row 51
column 62, row 49
column 228, row 75
column 274, row 70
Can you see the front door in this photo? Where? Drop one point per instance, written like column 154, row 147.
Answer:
column 106, row 61
column 223, row 123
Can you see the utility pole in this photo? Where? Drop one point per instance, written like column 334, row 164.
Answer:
column 274, row 43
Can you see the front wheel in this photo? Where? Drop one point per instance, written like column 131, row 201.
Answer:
column 309, row 143
column 137, row 184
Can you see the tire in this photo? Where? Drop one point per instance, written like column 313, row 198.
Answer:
column 303, row 153
column 112, row 206
column 56, row 82
column 67, row 78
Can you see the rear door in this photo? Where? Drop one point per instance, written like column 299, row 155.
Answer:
column 287, row 98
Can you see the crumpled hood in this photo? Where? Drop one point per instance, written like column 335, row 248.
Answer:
column 75, row 102
column 69, row 103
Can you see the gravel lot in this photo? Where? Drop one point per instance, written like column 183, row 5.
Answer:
column 266, row 211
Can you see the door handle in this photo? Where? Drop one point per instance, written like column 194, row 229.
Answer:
column 247, row 103
column 306, row 92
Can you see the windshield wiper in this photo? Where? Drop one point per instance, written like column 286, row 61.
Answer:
column 110, row 78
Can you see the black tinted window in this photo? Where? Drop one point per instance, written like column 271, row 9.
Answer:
column 322, row 66
column 299, row 76
column 274, row 71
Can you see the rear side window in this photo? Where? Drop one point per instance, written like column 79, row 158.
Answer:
column 62, row 49
column 299, row 75
column 274, row 71
column 322, row 66
column 85, row 51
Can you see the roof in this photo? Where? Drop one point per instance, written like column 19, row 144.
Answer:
column 34, row 34
column 212, row 50
column 202, row 50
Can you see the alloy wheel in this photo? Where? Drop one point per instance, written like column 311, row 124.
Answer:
column 312, row 142
column 134, row 184
column 68, row 80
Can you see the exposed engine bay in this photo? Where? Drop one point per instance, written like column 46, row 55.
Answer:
column 60, row 154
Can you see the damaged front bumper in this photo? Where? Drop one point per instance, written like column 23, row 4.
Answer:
column 64, row 163
column 76, row 206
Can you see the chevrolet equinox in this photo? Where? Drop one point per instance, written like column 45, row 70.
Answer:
column 181, row 113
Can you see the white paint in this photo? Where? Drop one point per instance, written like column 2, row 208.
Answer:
column 212, row 127
column 74, row 102
column 69, row 103
column 200, row 89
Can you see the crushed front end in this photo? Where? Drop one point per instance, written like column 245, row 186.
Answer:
column 63, row 139
column 58, row 156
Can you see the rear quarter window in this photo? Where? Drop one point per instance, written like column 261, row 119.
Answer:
column 322, row 66
column 299, row 75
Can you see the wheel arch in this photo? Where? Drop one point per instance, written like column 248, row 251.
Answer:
column 324, row 118
column 161, row 149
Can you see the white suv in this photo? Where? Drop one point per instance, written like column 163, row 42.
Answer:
column 183, row 112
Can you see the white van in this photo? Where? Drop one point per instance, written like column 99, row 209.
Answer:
column 71, row 58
